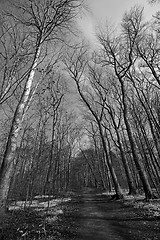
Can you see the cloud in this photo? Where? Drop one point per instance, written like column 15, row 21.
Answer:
column 111, row 10
column 86, row 24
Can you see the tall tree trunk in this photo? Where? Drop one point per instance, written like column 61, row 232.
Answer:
column 117, row 187
column 138, row 163
column 7, row 167
column 47, row 180
column 132, row 188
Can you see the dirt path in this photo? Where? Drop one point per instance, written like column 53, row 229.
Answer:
column 93, row 224
column 88, row 216
column 96, row 217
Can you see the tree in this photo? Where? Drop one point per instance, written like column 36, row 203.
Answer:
column 44, row 20
column 77, row 66
column 105, row 90
column 14, row 56
column 118, row 54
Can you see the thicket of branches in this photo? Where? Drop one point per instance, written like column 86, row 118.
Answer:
column 42, row 148
column 119, row 85
column 32, row 36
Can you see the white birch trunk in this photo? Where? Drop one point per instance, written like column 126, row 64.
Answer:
column 7, row 167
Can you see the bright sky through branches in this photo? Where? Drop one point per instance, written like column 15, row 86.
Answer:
column 112, row 11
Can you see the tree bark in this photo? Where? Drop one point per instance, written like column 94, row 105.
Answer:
column 139, row 165
column 117, row 187
column 7, row 167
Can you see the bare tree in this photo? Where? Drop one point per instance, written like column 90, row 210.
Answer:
column 76, row 65
column 44, row 20
column 105, row 91
column 118, row 53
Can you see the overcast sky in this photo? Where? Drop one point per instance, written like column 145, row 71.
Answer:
column 114, row 9
column 111, row 10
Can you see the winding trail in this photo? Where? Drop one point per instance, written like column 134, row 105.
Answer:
column 95, row 217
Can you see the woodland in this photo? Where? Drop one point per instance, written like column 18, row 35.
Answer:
column 73, row 115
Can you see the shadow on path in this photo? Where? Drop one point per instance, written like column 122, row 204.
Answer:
column 95, row 217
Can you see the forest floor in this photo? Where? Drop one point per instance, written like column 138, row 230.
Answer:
column 84, row 216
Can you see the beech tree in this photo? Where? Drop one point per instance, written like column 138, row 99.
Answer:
column 121, row 59
column 112, row 116
column 76, row 65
